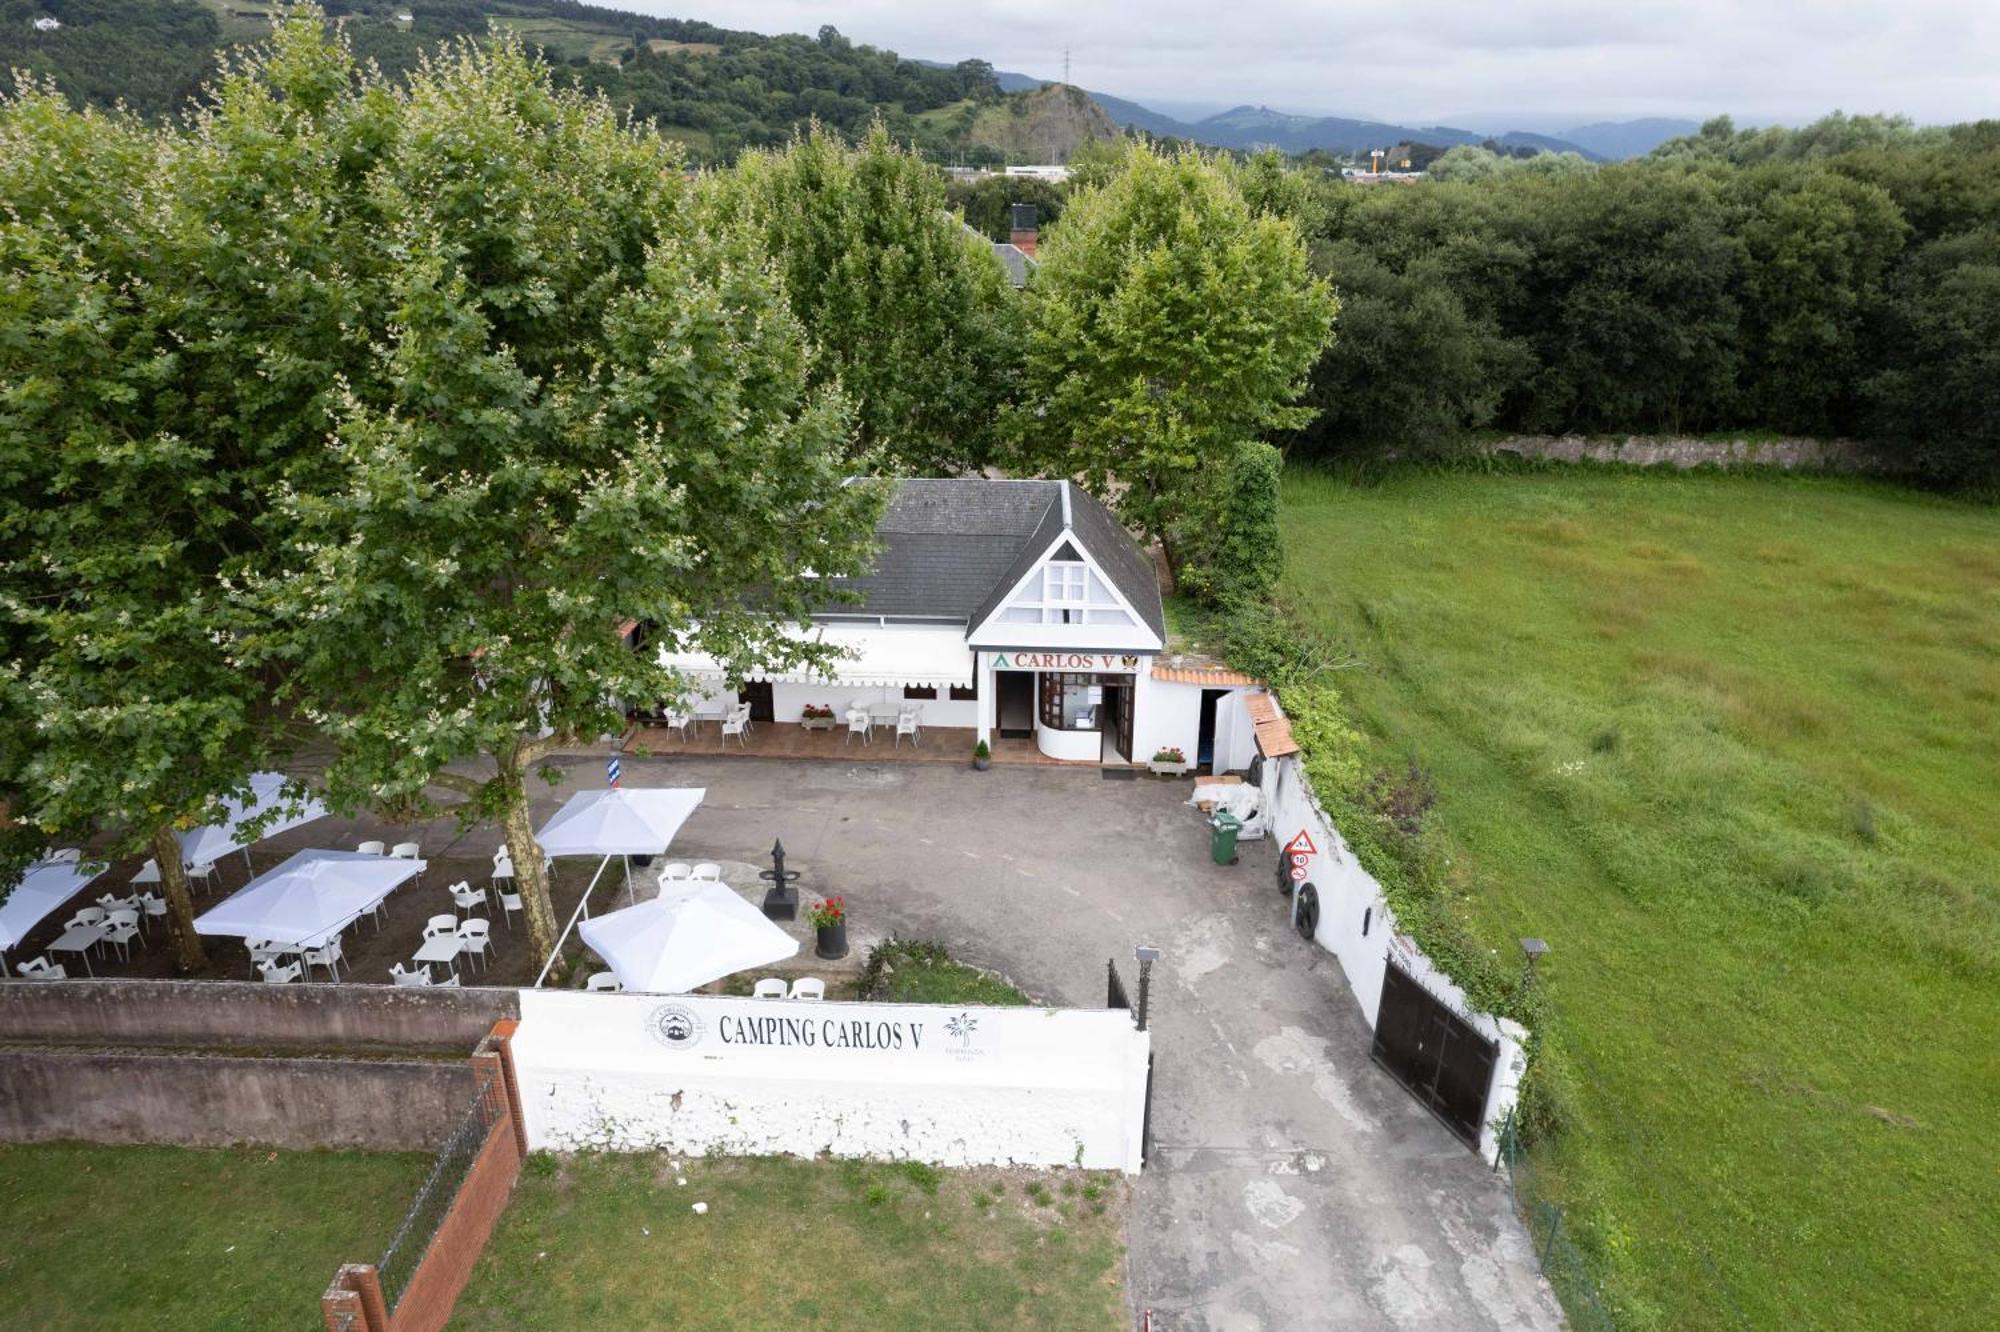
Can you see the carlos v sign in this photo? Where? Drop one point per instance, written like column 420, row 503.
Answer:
column 1101, row 662
column 857, row 1030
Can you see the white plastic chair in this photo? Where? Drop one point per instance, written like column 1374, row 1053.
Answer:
column 503, row 864
column 509, row 904
column 372, row 849
column 67, row 855
column 113, row 902
column 465, row 897
column 203, row 874
column 808, row 987
column 155, row 908
column 327, row 955
column 680, row 721
column 40, row 968
column 906, row 724
column 736, row 724
column 87, row 916
column 441, row 925
column 604, row 982
column 120, row 929
column 707, row 872
column 742, row 710
column 279, row 973
column 676, row 872
column 421, row 975
column 857, row 724
column 449, row 983
column 476, row 936
column 771, row 987
column 407, row 851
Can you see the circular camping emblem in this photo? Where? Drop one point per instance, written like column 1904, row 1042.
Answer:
column 676, row 1027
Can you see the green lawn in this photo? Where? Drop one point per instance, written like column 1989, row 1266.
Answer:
column 165, row 1238
column 1732, row 745
column 612, row 1242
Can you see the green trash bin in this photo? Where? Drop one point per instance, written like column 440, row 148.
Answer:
column 1222, row 837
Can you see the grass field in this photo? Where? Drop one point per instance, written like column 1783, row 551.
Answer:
column 612, row 1242
column 164, row 1238
column 1732, row 745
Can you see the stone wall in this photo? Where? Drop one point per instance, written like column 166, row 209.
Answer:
column 198, row 1100
column 1784, row 454
column 224, row 1015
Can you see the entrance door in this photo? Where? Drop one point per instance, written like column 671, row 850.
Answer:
column 1014, row 703
column 1117, row 722
column 1437, row 1056
column 1204, row 744
column 758, row 695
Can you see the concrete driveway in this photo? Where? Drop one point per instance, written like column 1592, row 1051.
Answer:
column 1293, row 1185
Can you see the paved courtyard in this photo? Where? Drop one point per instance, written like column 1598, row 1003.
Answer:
column 1294, row 1186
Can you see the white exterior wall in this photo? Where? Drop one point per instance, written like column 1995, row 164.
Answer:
column 1356, row 926
column 1165, row 715
column 788, row 702
column 1019, row 1086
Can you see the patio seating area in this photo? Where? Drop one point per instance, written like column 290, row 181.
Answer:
column 791, row 740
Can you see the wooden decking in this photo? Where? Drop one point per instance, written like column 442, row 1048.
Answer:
column 939, row 744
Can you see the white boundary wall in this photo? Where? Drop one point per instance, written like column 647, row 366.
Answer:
column 1356, row 926
column 948, row 1085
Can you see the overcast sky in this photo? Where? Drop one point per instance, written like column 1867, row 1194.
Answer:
column 1481, row 64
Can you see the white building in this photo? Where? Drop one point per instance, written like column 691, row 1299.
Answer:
column 1013, row 609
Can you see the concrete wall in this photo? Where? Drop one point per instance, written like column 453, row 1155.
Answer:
column 1356, row 926
column 241, row 1015
column 948, row 1085
column 221, row 1100
column 1165, row 715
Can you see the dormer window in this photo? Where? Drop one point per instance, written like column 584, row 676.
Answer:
column 1063, row 591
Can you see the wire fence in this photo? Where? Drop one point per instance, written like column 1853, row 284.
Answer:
column 1568, row 1271
column 434, row 1197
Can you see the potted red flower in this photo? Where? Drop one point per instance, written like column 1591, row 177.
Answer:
column 829, row 920
column 1169, row 762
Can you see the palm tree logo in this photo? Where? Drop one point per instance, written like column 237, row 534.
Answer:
column 962, row 1027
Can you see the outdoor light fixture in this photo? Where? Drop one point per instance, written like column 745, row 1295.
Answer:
column 1147, row 953
column 1533, row 949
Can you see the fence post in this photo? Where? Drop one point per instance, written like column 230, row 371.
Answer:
column 1549, row 1244
column 494, row 1059
column 353, row 1303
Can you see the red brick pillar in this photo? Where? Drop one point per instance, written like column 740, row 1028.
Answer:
column 356, row 1297
column 496, row 1052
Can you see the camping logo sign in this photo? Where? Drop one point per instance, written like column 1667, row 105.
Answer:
column 676, row 1026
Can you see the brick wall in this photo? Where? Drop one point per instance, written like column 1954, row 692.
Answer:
column 353, row 1303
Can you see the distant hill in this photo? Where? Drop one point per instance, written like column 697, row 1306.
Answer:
column 1617, row 139
column 1041, row 124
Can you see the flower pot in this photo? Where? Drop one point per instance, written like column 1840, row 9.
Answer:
column 1162, row 768
column 832, row 940
column 980, row 762
column 641, row 862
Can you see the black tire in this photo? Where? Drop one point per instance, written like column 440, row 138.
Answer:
column 1308, row 917
column 1284, row 873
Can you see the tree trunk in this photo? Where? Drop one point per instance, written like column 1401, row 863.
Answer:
column 531, row 868
column 186, row 944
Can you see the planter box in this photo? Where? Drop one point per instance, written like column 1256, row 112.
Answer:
column 820, row 723
column 1162, row 769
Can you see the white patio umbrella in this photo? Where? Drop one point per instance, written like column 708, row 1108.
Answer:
column 45, row 886
column 208, row 844
column 687, row 936
column 617, row 821
column 312, row 894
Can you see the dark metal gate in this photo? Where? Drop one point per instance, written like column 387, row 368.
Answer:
column 1436, row 1054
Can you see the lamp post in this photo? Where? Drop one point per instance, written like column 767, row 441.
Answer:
column 1147, row 955
column 1532, row 949
column 781, row 902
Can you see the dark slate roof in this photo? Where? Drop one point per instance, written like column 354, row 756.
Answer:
column 1015, row 260
column 951, row 549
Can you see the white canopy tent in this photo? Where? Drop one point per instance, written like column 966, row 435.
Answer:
column 206, row 845
column 873, row 655
column 687, row 936
column 619, row 821
column 45, row 886
column 309, row 896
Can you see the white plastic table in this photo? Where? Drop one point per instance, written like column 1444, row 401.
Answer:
column 443, row 948
column 79, row 939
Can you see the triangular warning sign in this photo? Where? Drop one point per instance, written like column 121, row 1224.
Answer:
column 1303, row 842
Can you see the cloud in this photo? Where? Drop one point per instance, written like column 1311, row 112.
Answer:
column 1530, row 63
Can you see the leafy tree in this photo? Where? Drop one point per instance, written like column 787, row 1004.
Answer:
column 1937, row 399
column 1169, row 323
column 169, row 342
column 987, row 203
column 585, row 405
column 913, row 316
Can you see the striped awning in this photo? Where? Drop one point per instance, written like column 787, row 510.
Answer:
column 873, row 655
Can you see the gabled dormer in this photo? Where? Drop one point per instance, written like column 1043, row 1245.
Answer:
column 1081, row 584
